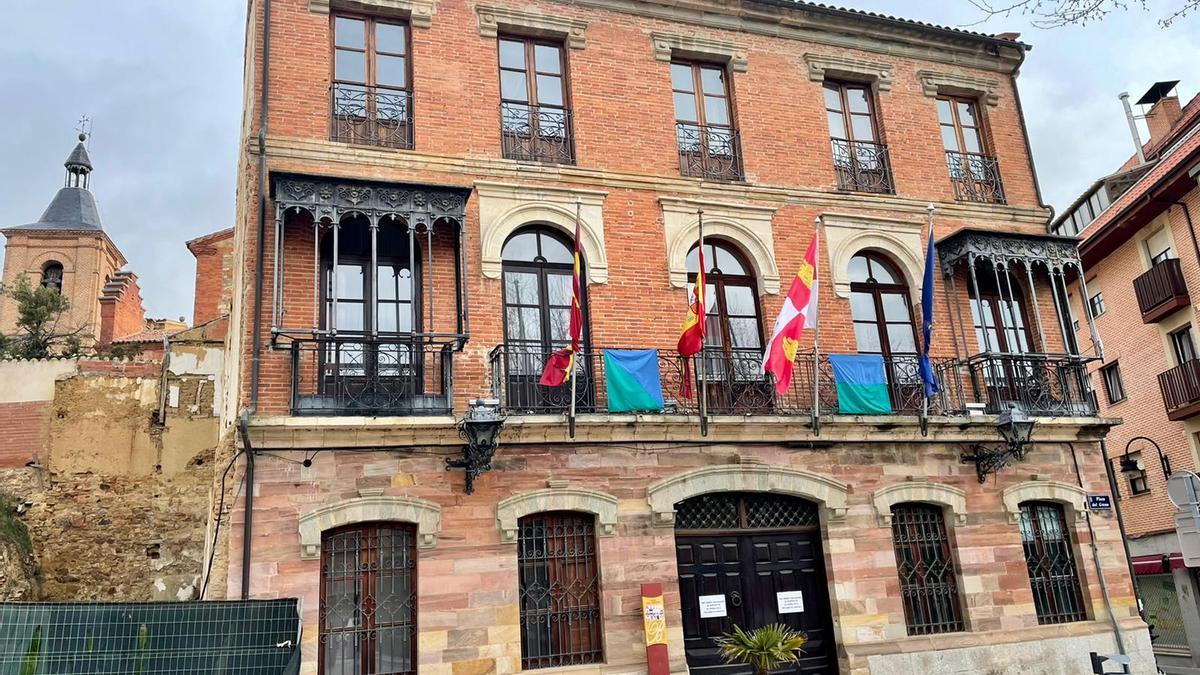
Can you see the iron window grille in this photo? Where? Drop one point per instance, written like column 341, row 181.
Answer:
column 1052, row 573
column 744, row 511
column 928, row 586
column 559, row 589
column 1113, row 385
column 368, row 611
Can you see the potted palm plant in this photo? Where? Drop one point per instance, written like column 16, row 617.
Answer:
column 765, row 649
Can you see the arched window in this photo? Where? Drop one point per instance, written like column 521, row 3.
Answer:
column 52, row 275
column 928, row 587
column 368, row 611
column 999, row 302
column 733, row 333
column 559, row 589
column 538, row 291
column 1051, row 563
column 537, row 266
column 880, row 307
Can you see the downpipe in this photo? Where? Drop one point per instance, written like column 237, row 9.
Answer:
column 1087, row 517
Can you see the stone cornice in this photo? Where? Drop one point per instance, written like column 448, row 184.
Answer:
column 935, row 82
column 322, row 157
column 821, row 66
column 299, row 433
column 892, row 39
column 667, row 45
column 418, row 12
column 493, row 20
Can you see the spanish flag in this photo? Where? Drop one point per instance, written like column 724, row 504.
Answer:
column 691, row 338
column 799, row 311
column 561, row 364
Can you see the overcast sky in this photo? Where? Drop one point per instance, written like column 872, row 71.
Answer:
column 161, row 80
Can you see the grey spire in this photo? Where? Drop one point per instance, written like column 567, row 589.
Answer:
column 74, row 207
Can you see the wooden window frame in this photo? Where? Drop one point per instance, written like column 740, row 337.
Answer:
column 1137, row 483
column 719, row 280
column 1178, row 348
column 877, row 290
column 697, row 66
column 842, row 87
column 367, row 577
column 542, row 270
column 585, row 644
column 1111, row 375
column 531, row 103
column 369, row 50
column 981, row 127
column 1096, row 303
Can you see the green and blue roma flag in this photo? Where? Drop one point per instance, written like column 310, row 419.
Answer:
column 861, row 384
column 632, row 380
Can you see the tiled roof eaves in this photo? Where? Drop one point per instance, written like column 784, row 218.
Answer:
column 1147, row 183
column 895, row 20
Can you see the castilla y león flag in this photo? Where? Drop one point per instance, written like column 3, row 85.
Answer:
column 799, row 311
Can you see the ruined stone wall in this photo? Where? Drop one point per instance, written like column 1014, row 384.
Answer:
column 117, row 507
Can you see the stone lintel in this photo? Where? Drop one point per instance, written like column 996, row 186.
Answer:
column 828, row 66
column 495, row 20
column 672, row 45
column 600, row 504
column 418, row 12
column 934, row 82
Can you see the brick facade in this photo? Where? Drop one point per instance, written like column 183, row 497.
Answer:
column 214, row 275
column 637, row 211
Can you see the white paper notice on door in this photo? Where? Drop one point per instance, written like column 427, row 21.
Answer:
column 790, row 602
column 712, row 606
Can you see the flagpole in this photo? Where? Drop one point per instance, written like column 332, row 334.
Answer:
column 702, row 312
column 578, row 283
column 924, row 388
column 816, row 303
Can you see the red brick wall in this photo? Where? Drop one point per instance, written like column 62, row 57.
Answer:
column 26, row 430
column 214, row 274
column 1142, row 353
column 122, row 314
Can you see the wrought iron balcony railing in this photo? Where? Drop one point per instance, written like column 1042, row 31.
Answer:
column 1161, row 290
column 348, row 374
column 371, row 116
column 862, row 166
column 732, row 380
column 1180, row 388
column 707, row 151
column 536, row 133
column 1042, row 384
column 976, row 177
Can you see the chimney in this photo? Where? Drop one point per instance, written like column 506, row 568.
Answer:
column 1162, row 116
column 1133, row 130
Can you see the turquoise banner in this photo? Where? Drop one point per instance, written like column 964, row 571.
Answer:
column 862, row 387
column 632, row 380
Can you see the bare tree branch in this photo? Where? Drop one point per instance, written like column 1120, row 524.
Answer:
column 1061, row 13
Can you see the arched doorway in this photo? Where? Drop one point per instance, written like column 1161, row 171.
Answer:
column 751, row 559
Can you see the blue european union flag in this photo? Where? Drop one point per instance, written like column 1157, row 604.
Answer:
column 925, row 367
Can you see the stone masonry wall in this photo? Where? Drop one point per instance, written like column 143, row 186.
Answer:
column 467, row 584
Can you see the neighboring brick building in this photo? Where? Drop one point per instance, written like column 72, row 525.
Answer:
column 1139, row 245
column 424, row 174
column 68, row 249
column 214, row 275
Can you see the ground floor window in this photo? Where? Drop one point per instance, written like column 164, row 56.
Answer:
column 1051, row 563
column 560, row 590
column 928, row 585
column 368, row 613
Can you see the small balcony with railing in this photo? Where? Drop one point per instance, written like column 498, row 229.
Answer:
column 366, row 115
column 533, row 133
column 709, row 151
column 1161, row 291
column 368, row 305
column 1180, row 387
column 976, row 177
column 862, row 166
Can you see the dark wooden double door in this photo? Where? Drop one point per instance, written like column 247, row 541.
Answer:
column 750, row 567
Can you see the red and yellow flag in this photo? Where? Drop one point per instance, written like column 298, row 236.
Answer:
column 691, row 338
column 799, row 311
column 561, row 364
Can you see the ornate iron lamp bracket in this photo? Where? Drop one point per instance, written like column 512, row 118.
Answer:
column 481, row 431
column 1016, row 428
column 987, row 460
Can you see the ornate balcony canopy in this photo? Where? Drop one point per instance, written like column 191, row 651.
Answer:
column 968, row 245
column 328, row 199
